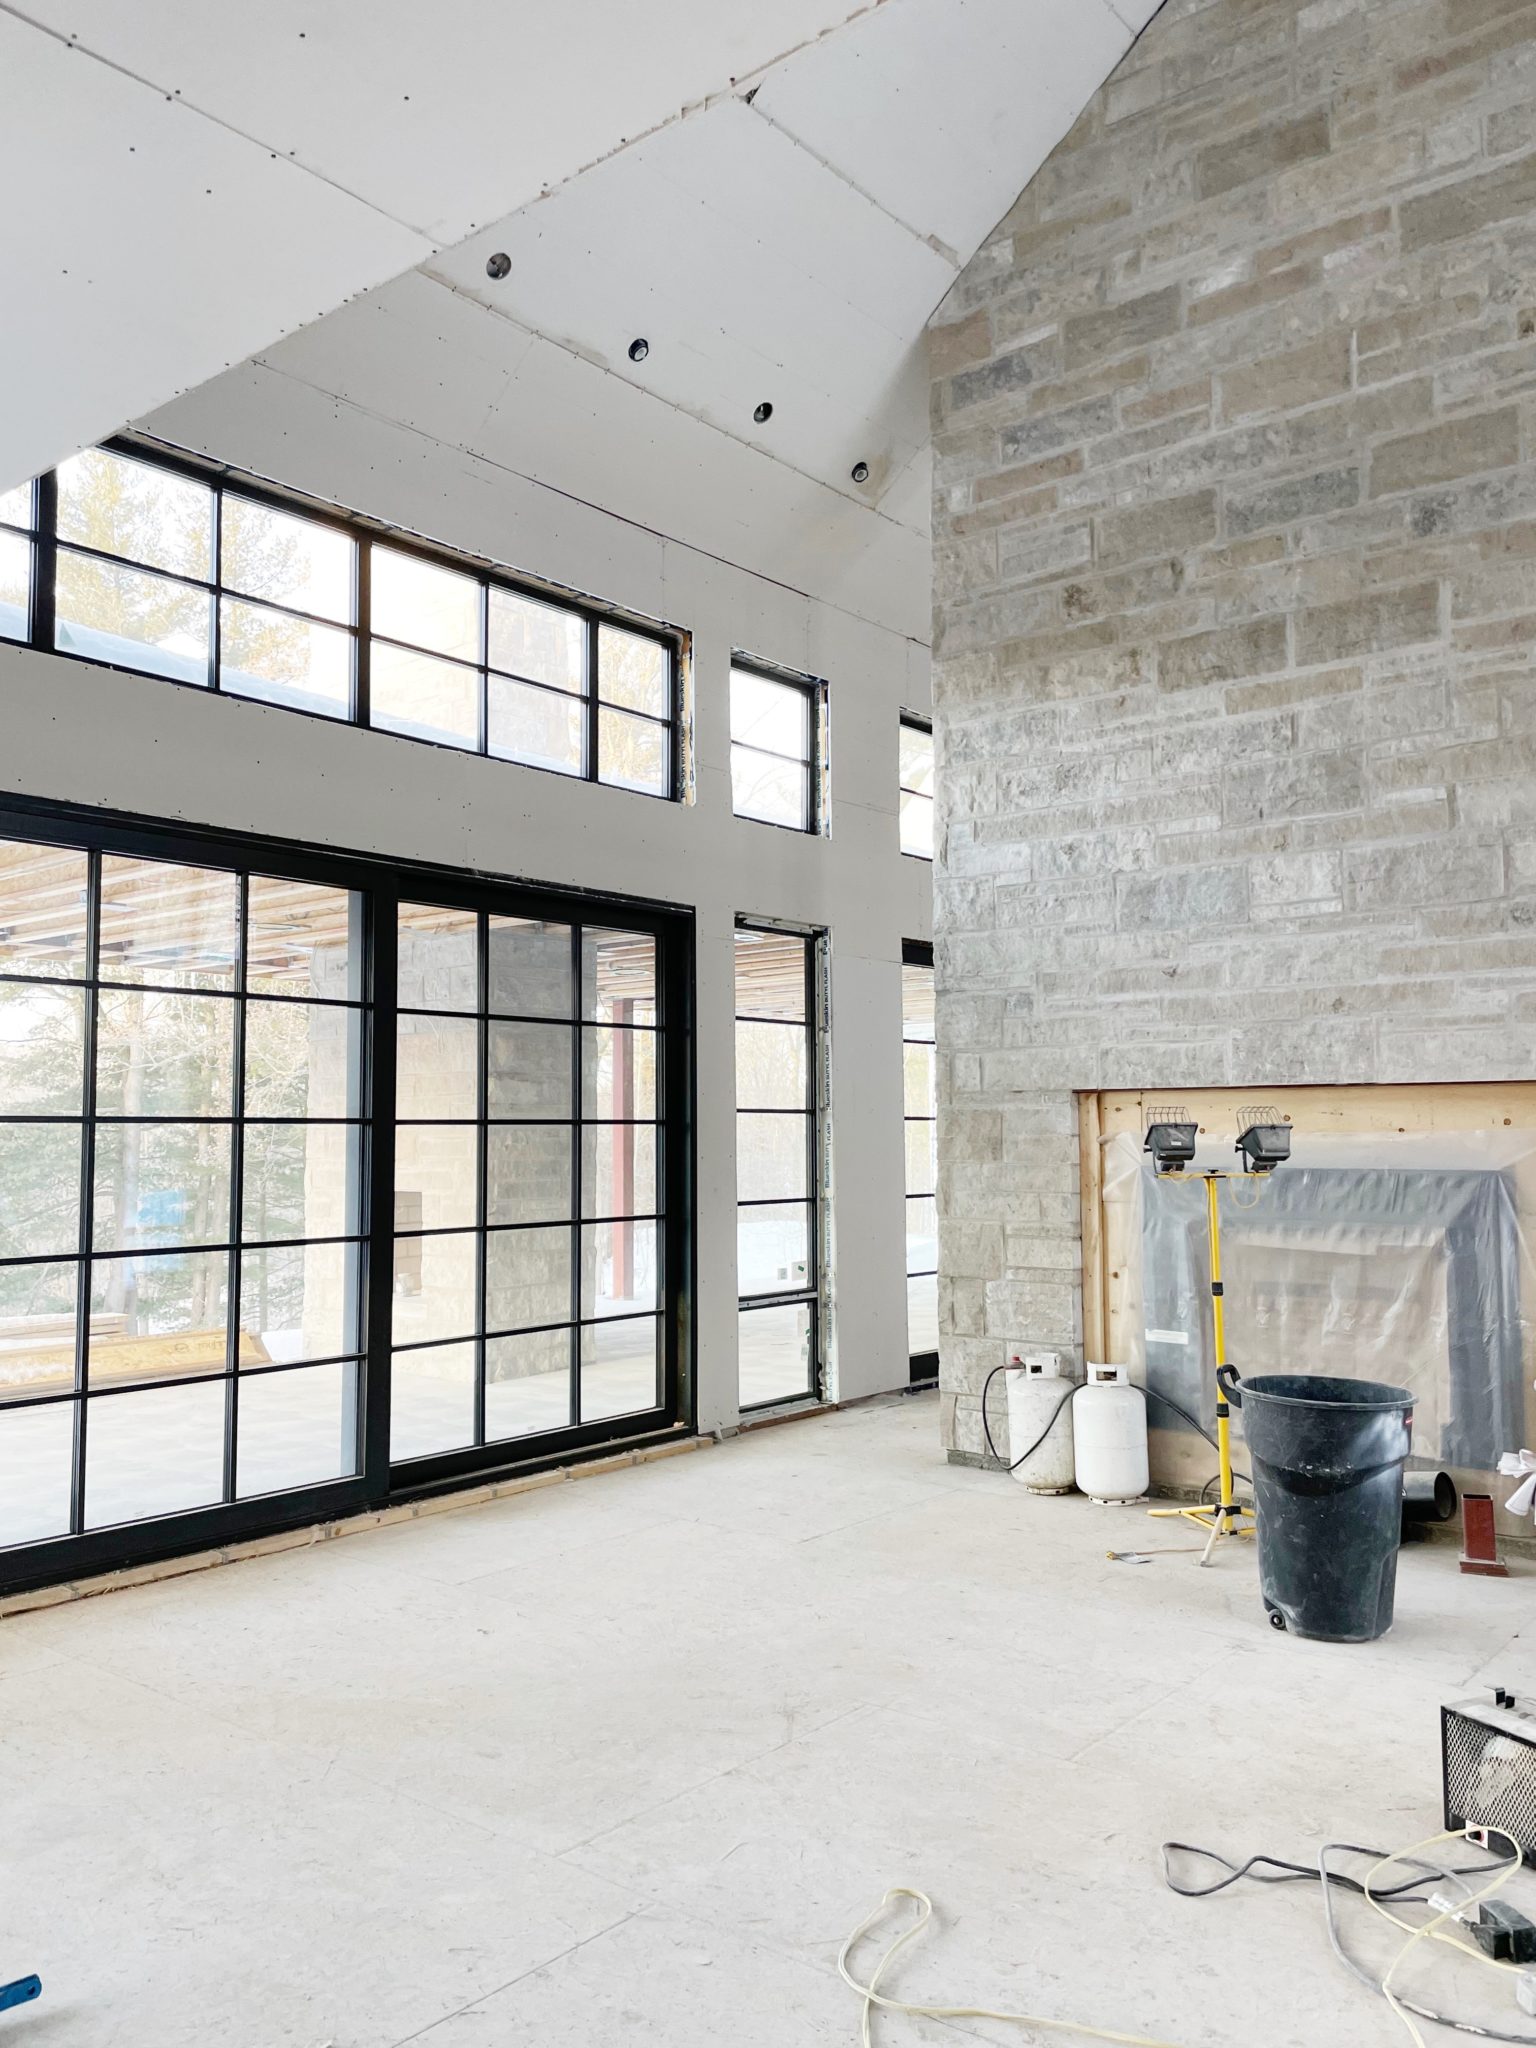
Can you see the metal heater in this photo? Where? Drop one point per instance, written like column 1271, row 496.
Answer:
column 1488, row 1750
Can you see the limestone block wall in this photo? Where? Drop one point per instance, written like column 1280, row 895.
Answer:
column 1234, row 608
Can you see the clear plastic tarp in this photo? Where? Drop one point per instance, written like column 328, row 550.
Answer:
column 1400, row 1257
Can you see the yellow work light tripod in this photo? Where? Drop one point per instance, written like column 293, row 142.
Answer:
column 1265, row 1142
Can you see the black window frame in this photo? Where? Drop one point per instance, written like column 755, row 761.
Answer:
column 364, row 532
column 922, row 1366
column 912, row 721
column 814, row 1294
column 383, row 884
column 818, row 701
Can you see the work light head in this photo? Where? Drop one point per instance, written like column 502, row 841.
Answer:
column 1171, row 1136
column 1264, row 1138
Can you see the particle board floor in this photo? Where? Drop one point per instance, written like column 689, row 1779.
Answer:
column 621, row 1762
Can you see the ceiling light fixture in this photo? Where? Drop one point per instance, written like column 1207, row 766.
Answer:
column 639, row 349
column 860, row 472
column 499, row 265
column 762, row 412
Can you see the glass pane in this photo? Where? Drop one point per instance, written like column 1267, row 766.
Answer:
column 771, row 975
column 165, row 1317
column 772, row 1070
column 530, row 967
column 42, row 1050
column 300, row 1180
column 426, row 699
column 36, row 1463
column 161, row 1184
column 15, row 586
column 16, row 506
column 618, row 977
column 619, row 1073
column 296, row 1428
column 618, row 1268
column 773, row 716
column 917, row 826
column 137, row 510
column 528, row 1069
column 917, row 760
column 632, row 753
column 40, row 1173
column 922, row 1234
column 918, row 1079
column 302, row 940
column 527, row 1384
column 633, row 671
column 528, row 1173
column 773, row 1249
column 37, row 1330
column 618, row 1170
column 771, row 1157
column 922, row 1314
column 437, row 958
column 155, row 1453
column 286, row 559
column 435, row 1288
column 432, row 1401
column 775, row 792
column 426, row 606
column 42, row 910
column 527, row 1278
column 538, row 641
column 917, row 1003
column 299, row 1301
column 620, row 1367
column 302, row 1059
column 130, row 620
column 283, row 660
column 922, row 1158
column 436, row 1176
column 773, row 1351
column 164, row 1055
column 537, row 727
column 178, row 926
column 437, row 1066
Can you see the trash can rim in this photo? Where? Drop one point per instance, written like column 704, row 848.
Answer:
column 1394, row 1397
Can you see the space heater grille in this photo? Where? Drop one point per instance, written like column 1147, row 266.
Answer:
column 1489, row 1756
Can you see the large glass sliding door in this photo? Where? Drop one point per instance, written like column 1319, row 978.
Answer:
column 317, row 1179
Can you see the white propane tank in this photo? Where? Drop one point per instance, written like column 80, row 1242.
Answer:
column 1109, row 1434
column 1035, row 1388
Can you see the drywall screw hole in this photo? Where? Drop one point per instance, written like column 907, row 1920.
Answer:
column 498, row 265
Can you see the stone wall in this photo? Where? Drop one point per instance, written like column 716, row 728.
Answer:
column 1235, row 597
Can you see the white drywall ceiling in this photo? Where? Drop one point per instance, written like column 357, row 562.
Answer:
column 780, row 228
column 202, row 179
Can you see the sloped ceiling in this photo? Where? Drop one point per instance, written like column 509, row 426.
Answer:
column 805, row 180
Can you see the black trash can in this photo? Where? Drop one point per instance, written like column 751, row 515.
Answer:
column 1327, row 1457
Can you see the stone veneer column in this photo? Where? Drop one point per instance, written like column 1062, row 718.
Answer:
column 1235, row 599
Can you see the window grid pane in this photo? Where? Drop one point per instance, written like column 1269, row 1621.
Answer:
column 774, row 745
column 219, row 1243
column 167, row 572
column 778, row 1145
column 916, row 787
column 531, row 1220
column 920, row 1090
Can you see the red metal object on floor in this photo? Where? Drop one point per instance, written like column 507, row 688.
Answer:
column 1479, row 1540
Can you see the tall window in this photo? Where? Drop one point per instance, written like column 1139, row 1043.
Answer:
column 181, row 1153
column 319, row 1180
column 776, row 749
column 16, row 520
column 527, row 1210
column 159, row 567
column 920, row 1087
column 778, row 1166
column 916, row 786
